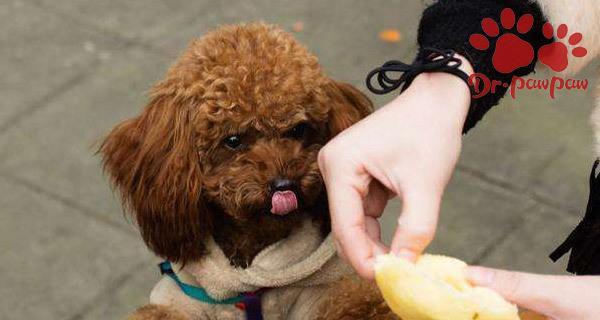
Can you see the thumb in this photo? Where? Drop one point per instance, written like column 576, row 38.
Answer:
column 539, row 293
column 416, row 225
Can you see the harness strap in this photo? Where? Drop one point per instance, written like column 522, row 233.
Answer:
column 249, row 302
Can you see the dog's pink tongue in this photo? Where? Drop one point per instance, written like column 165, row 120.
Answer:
column 283, row 202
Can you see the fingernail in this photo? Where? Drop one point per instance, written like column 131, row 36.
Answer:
column 480, row 275
column 367, row 269
column 406, row 254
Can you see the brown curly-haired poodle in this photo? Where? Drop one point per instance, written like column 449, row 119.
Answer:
column 220, row 172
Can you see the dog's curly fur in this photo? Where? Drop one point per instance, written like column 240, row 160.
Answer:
column 181, row 180
column 352, row 298
column 155, row 312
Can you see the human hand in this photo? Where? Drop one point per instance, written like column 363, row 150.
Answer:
column 557, row 297
column 407, row 148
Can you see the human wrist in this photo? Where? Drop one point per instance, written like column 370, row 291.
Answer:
column 449, row 94
column 443, row 97
column 449, row 83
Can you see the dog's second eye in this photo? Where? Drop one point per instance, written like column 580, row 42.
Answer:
column 298, row 131
column 233, row 142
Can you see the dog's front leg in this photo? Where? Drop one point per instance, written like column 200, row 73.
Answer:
column 354, row 298
column 157, row 312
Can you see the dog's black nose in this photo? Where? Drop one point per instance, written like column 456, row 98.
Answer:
column 282, row 184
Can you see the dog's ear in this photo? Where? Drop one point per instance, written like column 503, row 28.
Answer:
column 348, row 107
column 153, row 163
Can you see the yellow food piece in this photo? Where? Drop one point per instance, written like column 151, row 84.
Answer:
column 436, row 288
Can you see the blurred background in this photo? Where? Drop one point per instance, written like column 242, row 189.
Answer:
column 72, row 69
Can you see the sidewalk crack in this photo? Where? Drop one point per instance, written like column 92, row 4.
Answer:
column 43, row 101
column 69, row 203
column 513, row 227
column 124, row 40
column 515, row 189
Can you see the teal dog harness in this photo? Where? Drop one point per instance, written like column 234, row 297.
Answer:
column 249, row 302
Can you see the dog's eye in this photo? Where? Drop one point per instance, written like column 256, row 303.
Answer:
column 298, row 131
column 233, row 142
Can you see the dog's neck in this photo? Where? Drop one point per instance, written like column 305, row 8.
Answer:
column 241, row 241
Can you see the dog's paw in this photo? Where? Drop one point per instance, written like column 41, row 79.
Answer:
column 156, row 312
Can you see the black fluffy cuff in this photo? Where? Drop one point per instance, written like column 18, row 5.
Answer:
column 448, row 24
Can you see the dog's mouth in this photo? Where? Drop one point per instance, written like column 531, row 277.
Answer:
column 283, row 202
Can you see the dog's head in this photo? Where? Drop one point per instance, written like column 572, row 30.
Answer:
column 234, row 129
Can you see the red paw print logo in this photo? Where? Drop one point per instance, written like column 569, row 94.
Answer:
column 556, row 54
column 510, row 52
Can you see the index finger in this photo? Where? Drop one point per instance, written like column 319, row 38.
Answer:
column 348, row 223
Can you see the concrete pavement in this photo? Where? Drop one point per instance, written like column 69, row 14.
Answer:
column 72, row 69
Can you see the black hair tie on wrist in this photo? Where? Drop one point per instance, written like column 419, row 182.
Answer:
column 440, row 61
